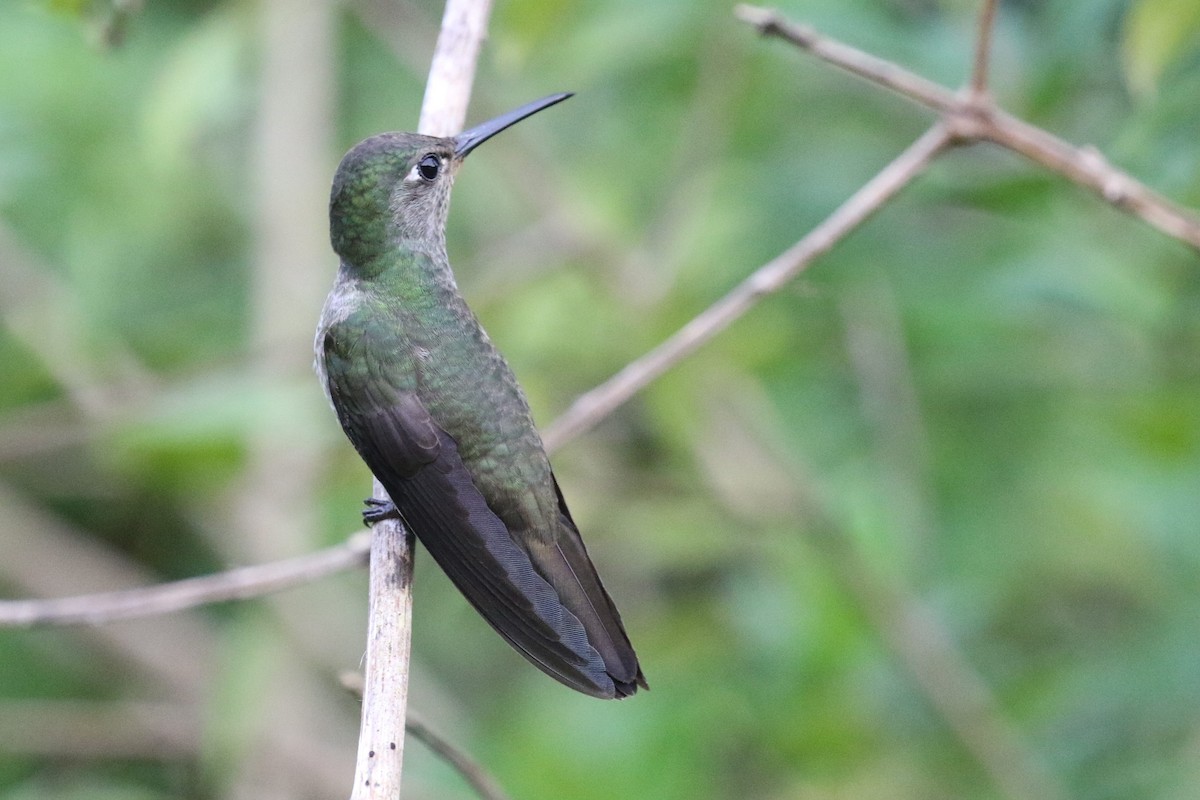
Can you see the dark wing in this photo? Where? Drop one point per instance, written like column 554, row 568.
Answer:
column 419, row 465
column 583, row 592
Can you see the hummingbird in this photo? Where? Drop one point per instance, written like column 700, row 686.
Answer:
column 436, row 413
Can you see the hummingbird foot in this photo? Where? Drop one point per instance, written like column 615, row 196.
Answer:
column 378, row 510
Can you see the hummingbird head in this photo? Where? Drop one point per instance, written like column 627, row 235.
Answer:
column 394, row 188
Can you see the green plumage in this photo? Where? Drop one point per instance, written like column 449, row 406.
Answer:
column 436, row 413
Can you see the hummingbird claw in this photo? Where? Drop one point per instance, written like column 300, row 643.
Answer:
column 378, row 510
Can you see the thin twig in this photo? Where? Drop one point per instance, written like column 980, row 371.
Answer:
column 1087, row 167
column 976, row 118
column 595, row 405
column 983, row 48
column 770, row 22
column 164, row 598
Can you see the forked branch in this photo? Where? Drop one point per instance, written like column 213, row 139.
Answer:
column 973, row 117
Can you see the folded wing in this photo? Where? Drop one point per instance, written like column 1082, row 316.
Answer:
column 420, row 466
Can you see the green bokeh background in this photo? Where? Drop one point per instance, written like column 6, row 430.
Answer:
column 983, row 406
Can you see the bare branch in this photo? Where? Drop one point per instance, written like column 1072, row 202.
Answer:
column 974, row 118
column 472, row 771
column 1087, row 167
column 866, row 66
column 164, row 598
column 983, row 47
column 593, row 406
column 385, row 686
column 448, row 89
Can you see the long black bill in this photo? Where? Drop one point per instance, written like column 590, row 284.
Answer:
column 468, row 140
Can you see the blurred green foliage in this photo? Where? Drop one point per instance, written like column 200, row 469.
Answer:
column 989, row 396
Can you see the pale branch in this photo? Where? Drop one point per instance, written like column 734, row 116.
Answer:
column 459, row 760
column 594, row 405
column 1087, row 167
column 983, row 48
column 974, row 117
column 866, row 66
column 448, row 89
column 380, row 760
column 241, row 583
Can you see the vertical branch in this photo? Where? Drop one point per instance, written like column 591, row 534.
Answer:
column 983, row 46
column 448, row 90
column 385, row 681
column 380, row 759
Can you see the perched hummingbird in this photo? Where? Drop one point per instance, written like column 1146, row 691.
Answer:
column 436, row 413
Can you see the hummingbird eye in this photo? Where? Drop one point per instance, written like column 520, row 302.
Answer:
column 429, row 166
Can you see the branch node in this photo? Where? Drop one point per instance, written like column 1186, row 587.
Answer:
column 769, row 22
column 972, row 116
column 1114, row 186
